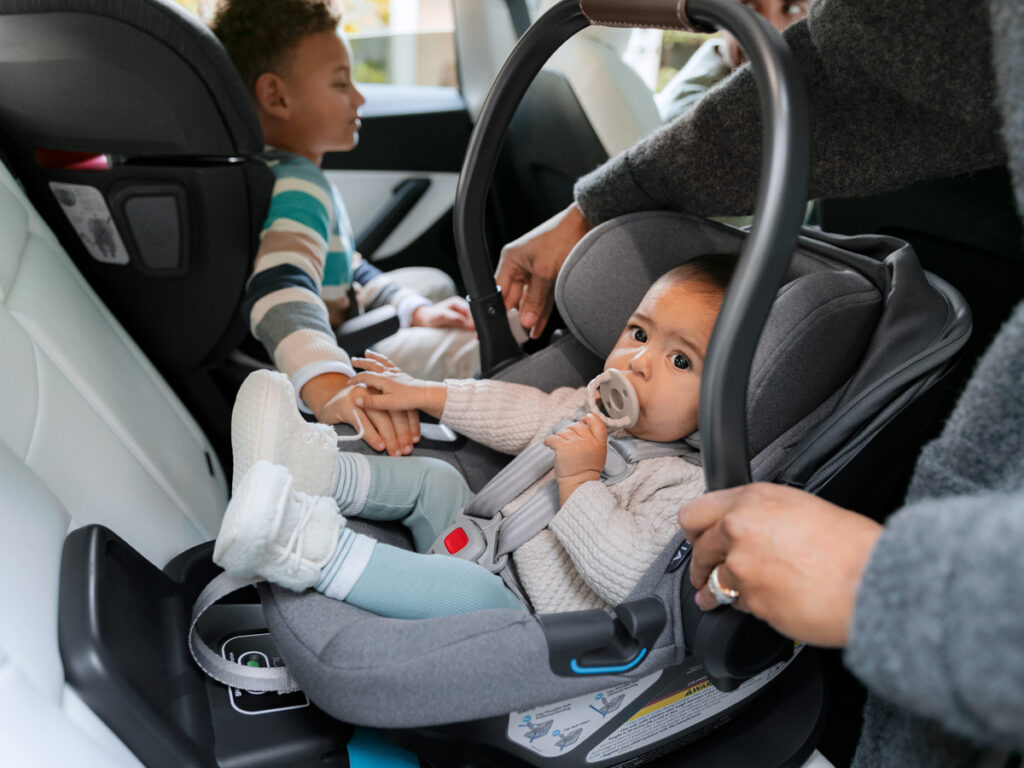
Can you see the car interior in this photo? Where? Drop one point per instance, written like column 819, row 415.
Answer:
column 131, row 200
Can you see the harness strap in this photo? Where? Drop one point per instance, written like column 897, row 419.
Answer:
column 261, row 679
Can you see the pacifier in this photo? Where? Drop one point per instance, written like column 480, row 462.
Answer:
column 617, row 397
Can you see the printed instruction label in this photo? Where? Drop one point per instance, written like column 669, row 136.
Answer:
column 88, row 213
column 676, row 712
column 559, row 728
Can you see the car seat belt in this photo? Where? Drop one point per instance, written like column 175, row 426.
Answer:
column 482, row 535
column 234, row 674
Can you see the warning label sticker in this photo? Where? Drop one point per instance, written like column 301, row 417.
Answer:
column 558, row 728
column 88, row 213
column 676, row 712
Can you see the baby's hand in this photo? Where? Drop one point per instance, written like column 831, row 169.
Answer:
column 394, row 390
column 580, row 452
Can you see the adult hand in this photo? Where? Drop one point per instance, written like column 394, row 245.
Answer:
column 391, row 389
column 452, row 312
column 580, row 453
column 529, row 265
column 332, row 398
column 795, row 559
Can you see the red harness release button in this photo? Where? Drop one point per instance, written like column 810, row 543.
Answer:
column 455, row 541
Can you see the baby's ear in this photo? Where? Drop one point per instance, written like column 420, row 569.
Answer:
column 271, row 97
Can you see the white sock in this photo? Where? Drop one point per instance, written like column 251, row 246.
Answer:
column 343, row 568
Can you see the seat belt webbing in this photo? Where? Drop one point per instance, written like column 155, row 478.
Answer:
column 262, row 679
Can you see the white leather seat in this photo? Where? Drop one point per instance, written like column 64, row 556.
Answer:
column 618, row 104
column 89, row 433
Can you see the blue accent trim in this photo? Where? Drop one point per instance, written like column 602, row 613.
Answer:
column 368, row 749
column 575, row 667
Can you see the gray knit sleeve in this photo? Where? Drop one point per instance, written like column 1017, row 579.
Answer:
column 889, row 106
column 939, row 622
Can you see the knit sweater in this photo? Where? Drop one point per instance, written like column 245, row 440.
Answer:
column 899, row 91
column 306, row 263
column 604, row 537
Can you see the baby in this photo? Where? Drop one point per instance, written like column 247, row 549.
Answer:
column 291, row 481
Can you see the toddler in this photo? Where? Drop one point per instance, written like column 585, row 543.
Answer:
column 307, row 277
column 283, row 524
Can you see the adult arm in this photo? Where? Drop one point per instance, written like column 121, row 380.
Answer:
column 938, row 626
column 898, row 91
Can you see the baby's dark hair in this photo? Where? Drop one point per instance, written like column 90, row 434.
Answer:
column 259, row 34
column 713, row 271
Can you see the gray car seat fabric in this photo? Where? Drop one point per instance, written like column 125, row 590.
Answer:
column 857, row 331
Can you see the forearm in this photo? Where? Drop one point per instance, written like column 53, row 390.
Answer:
column 878, row 120
column 937, row 627
column 503, row 416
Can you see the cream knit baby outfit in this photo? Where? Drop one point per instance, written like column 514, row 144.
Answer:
column 603, row 538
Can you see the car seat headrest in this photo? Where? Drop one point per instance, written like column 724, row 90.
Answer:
column 814, row 338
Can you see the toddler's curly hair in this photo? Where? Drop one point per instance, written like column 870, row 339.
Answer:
column 260, row 34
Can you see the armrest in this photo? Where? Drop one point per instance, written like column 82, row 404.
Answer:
column 362, row 331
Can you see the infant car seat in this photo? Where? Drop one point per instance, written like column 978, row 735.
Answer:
column 856, row 333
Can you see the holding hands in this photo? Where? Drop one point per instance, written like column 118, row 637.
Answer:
column 580, row 453
column 335, row 398
column 386, row 388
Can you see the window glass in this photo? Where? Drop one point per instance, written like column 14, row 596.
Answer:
column 402, row 42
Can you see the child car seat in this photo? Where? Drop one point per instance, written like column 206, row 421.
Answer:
column 857, row 313
column 358, row 666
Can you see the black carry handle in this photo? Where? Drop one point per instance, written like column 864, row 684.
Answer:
column 763, row 262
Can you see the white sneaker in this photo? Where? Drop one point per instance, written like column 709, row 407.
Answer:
column 275, row 532
column 266, row 424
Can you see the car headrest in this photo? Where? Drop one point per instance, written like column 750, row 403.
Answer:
column 64, row 83
column 814, row 338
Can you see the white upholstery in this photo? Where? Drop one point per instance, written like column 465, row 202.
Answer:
column 89, row 433
column 616, row 101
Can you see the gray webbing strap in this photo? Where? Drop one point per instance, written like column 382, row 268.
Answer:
column 518, row 475
column 236, row 675
column 535, row 515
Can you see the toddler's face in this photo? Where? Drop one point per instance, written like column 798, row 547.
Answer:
column 662, row 351
column 324, row 99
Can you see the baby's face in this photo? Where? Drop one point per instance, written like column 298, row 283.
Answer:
column 662, row 351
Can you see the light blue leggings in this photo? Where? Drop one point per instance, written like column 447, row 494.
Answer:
column 424, row 494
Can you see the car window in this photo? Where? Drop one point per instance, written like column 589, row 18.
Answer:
column 402, row 42
column 397, row 42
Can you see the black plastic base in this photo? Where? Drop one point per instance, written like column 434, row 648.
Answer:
column 122, row 630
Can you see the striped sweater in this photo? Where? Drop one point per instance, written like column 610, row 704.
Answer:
column 308, row 273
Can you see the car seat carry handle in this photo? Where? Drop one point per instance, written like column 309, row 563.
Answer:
column 764, row 258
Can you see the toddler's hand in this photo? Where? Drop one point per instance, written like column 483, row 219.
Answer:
column 450, row 313
column 394, row 432
column 390, row 389
column 580, row 452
